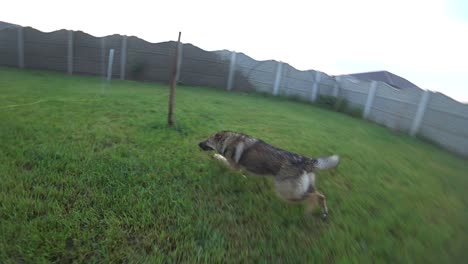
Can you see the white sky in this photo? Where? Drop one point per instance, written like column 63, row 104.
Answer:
column 425, row 42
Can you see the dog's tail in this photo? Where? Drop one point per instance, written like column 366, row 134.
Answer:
column 325, row 163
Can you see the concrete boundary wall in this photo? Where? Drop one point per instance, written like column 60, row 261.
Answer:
column 431, row 115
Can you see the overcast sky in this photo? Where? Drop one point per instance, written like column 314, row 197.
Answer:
column 424, row 41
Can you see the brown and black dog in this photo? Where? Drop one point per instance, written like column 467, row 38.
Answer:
column 293, row 173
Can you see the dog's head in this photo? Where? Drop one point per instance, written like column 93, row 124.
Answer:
column 215, row 141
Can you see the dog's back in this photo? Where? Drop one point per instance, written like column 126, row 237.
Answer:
column 261, row 158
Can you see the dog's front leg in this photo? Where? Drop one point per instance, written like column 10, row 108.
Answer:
column 221, row 158
column 227, row 163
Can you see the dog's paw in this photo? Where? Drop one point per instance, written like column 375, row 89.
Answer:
column 324, row 216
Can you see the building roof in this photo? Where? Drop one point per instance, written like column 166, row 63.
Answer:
column 6, row 25
column 386, row 77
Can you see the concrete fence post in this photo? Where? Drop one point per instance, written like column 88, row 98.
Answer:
column 370, row 99
column 109, row 65
column 123, row 58
column 279, row 71
column 315, row 86
column 179, row 60
column 420, row 113
column 20, row 47
column 232, row 71
column 103, row 57
column 336, row 87
column 70, row 52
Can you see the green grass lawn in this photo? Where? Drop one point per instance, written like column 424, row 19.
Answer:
column 93, row 177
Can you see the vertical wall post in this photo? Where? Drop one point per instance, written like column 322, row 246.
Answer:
column 279, row 71
column 20, row 47
column 232, row 70
column 103, row 57
column 315, row 86
column 370, row 99
column 109, row 65
column 336, row 87
column 420, row 113
column 123, row 58
column 70, row 52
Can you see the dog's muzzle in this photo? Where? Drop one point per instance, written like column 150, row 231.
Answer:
column 204, row 146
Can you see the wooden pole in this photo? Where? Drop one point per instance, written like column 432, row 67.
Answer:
column 175, row 69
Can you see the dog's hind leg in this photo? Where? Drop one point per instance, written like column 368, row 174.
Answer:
column 311, row 203
column 323, row 203
column 312, row 200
